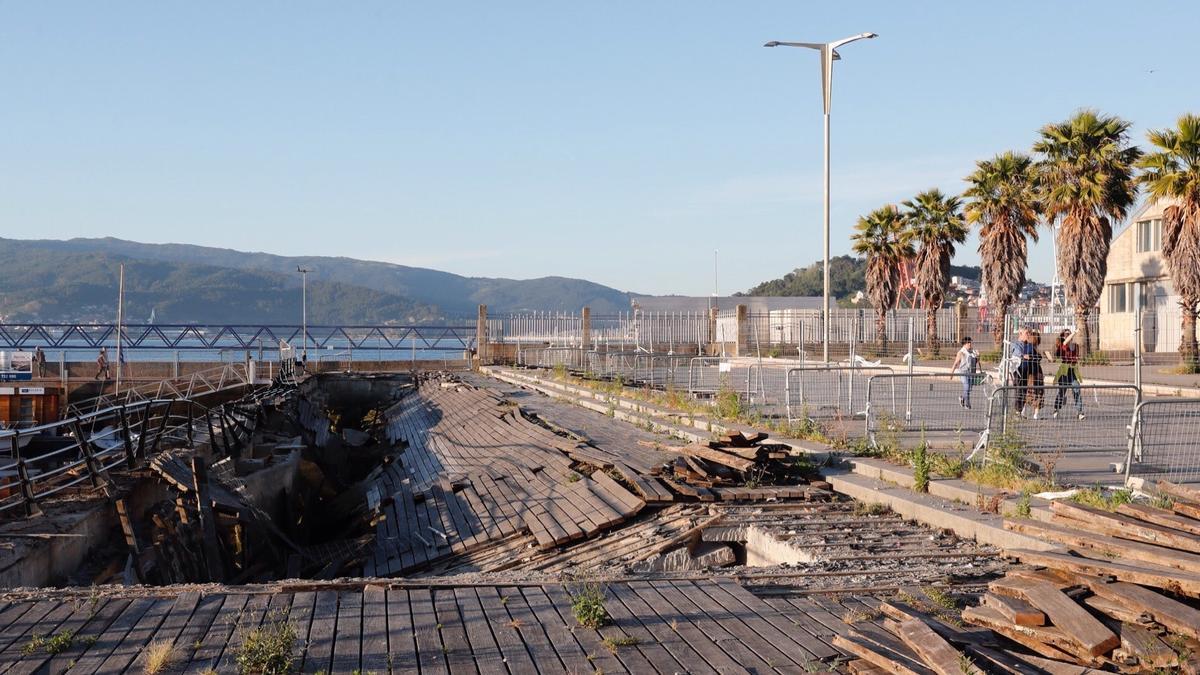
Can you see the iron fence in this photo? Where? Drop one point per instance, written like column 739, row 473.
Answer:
column 827, row 391
column 1162, row 443
column 938, row 404
column 1088, row 418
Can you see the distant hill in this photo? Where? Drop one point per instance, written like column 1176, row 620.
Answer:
column 76, row 280
column 847, row 276
column 452, row 294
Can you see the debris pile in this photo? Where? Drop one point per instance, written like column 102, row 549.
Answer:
column 737, row 466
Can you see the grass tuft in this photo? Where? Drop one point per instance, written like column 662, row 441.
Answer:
column 161, row 655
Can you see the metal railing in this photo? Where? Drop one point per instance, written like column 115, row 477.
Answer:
column 85, row 447
column 1163, row 441
column 200, row 383
column 928, row 402
column 1096, row 422
column 827, row 391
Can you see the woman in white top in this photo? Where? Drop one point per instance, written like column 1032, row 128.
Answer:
column 966, row 364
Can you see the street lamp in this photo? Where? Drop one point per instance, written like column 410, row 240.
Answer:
column 829, row 54
column 303, row 311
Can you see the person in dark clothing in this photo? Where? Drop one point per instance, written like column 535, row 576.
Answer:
column 1036, row 383
column 1066, row 352
column 39, row 358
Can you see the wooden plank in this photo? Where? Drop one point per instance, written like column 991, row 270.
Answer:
column 319, row 655
column 1047, row 641
column 933, row 650
column 716, row 456
column 112, row 636
column 137, row 638
column 347, row 645
column 98, row 617
column 430, row 655
column 1179, row 492
column 249, row 618
column 741, row 623
column 1175, row 615
column 1147, row 575
column 1109, row 547
column 485, row 651
column 712, row 628
column 375, row 629
column 453, row 632
column 1121, row 526
column 1160, row 517
column 663, row 632
column 506, row 629
column 855, row 644
column 402, row 644
column 563, row 636
column 1016, row 611
column 1144, row 648
column 1074, row 621
column 785, row 623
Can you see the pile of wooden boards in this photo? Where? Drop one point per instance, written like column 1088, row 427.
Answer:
column 733, row 459
column 1122, row 596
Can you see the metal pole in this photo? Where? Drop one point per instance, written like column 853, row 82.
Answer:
column 120, row 318
column 304, row 311
column 828, row 84
column 1137, row 341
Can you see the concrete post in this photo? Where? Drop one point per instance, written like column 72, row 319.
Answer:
column 743, row 331
column 481, row 336
column 585, row 339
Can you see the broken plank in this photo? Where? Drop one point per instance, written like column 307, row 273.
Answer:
column 1146, row 575
column 1121, row 526
column 933, row 650
column 1109, row 547
column 855, row 644
column 1075, row 622
column 1017, row 611
column 1173, row 614
column 717, row 457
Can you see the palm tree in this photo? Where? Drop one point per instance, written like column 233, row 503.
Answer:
column 1086, row 169
column 1003, row 194
column 1172, row 172
column 935, row 222
column 884, row 240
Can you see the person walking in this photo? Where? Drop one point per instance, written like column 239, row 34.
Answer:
column 102, row 364
column 39, row 358
column 1017, row 370
column 1035, row 377
column 1066, row 352
column 966, row 365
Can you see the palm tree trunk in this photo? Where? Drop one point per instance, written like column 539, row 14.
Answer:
column 881, row 329
column 998, row 327
column 1187, row 346
column 1083, row 330
column 931, row 334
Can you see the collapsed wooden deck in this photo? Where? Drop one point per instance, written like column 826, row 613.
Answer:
column 656, row 626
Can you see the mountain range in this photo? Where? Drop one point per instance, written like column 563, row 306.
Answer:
column 75, row 280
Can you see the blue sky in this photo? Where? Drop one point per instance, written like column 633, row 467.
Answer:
column 617, row 141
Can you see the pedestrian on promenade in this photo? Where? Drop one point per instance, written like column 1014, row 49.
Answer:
column 1066, row 352
column 1035, row 384
column 102, row 364
column 1018, row 376
column 39, row 358
column 966, row 365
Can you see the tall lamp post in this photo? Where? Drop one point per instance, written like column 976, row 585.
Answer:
column 304, row 311
column 829, row 54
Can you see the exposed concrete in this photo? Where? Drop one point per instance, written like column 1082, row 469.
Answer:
column 964, row 521
column 50, row 562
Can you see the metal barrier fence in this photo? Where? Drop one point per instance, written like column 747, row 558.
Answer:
column 1096, row 421
column 827, row 391
column 208, row 381
column 902, row 403
column 1163, row 441
column 83, row 448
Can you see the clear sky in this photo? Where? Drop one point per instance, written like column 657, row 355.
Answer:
column 619, row 141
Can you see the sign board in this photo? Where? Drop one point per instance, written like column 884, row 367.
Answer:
column 32, row 391
column 7, row 391
column 16, row 366
column 725, row 367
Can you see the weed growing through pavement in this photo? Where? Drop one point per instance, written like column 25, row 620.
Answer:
column 268, row 649
column 587, row 604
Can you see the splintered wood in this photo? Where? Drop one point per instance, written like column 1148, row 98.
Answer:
column 721, row 469
column 1117, row 598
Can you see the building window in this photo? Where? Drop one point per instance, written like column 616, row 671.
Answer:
column 1118, row 298
column 1149, row 235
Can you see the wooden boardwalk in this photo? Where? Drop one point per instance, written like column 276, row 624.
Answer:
column 664, row 626
column 476, row 472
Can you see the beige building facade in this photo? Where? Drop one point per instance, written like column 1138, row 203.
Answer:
column 1136, row 267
